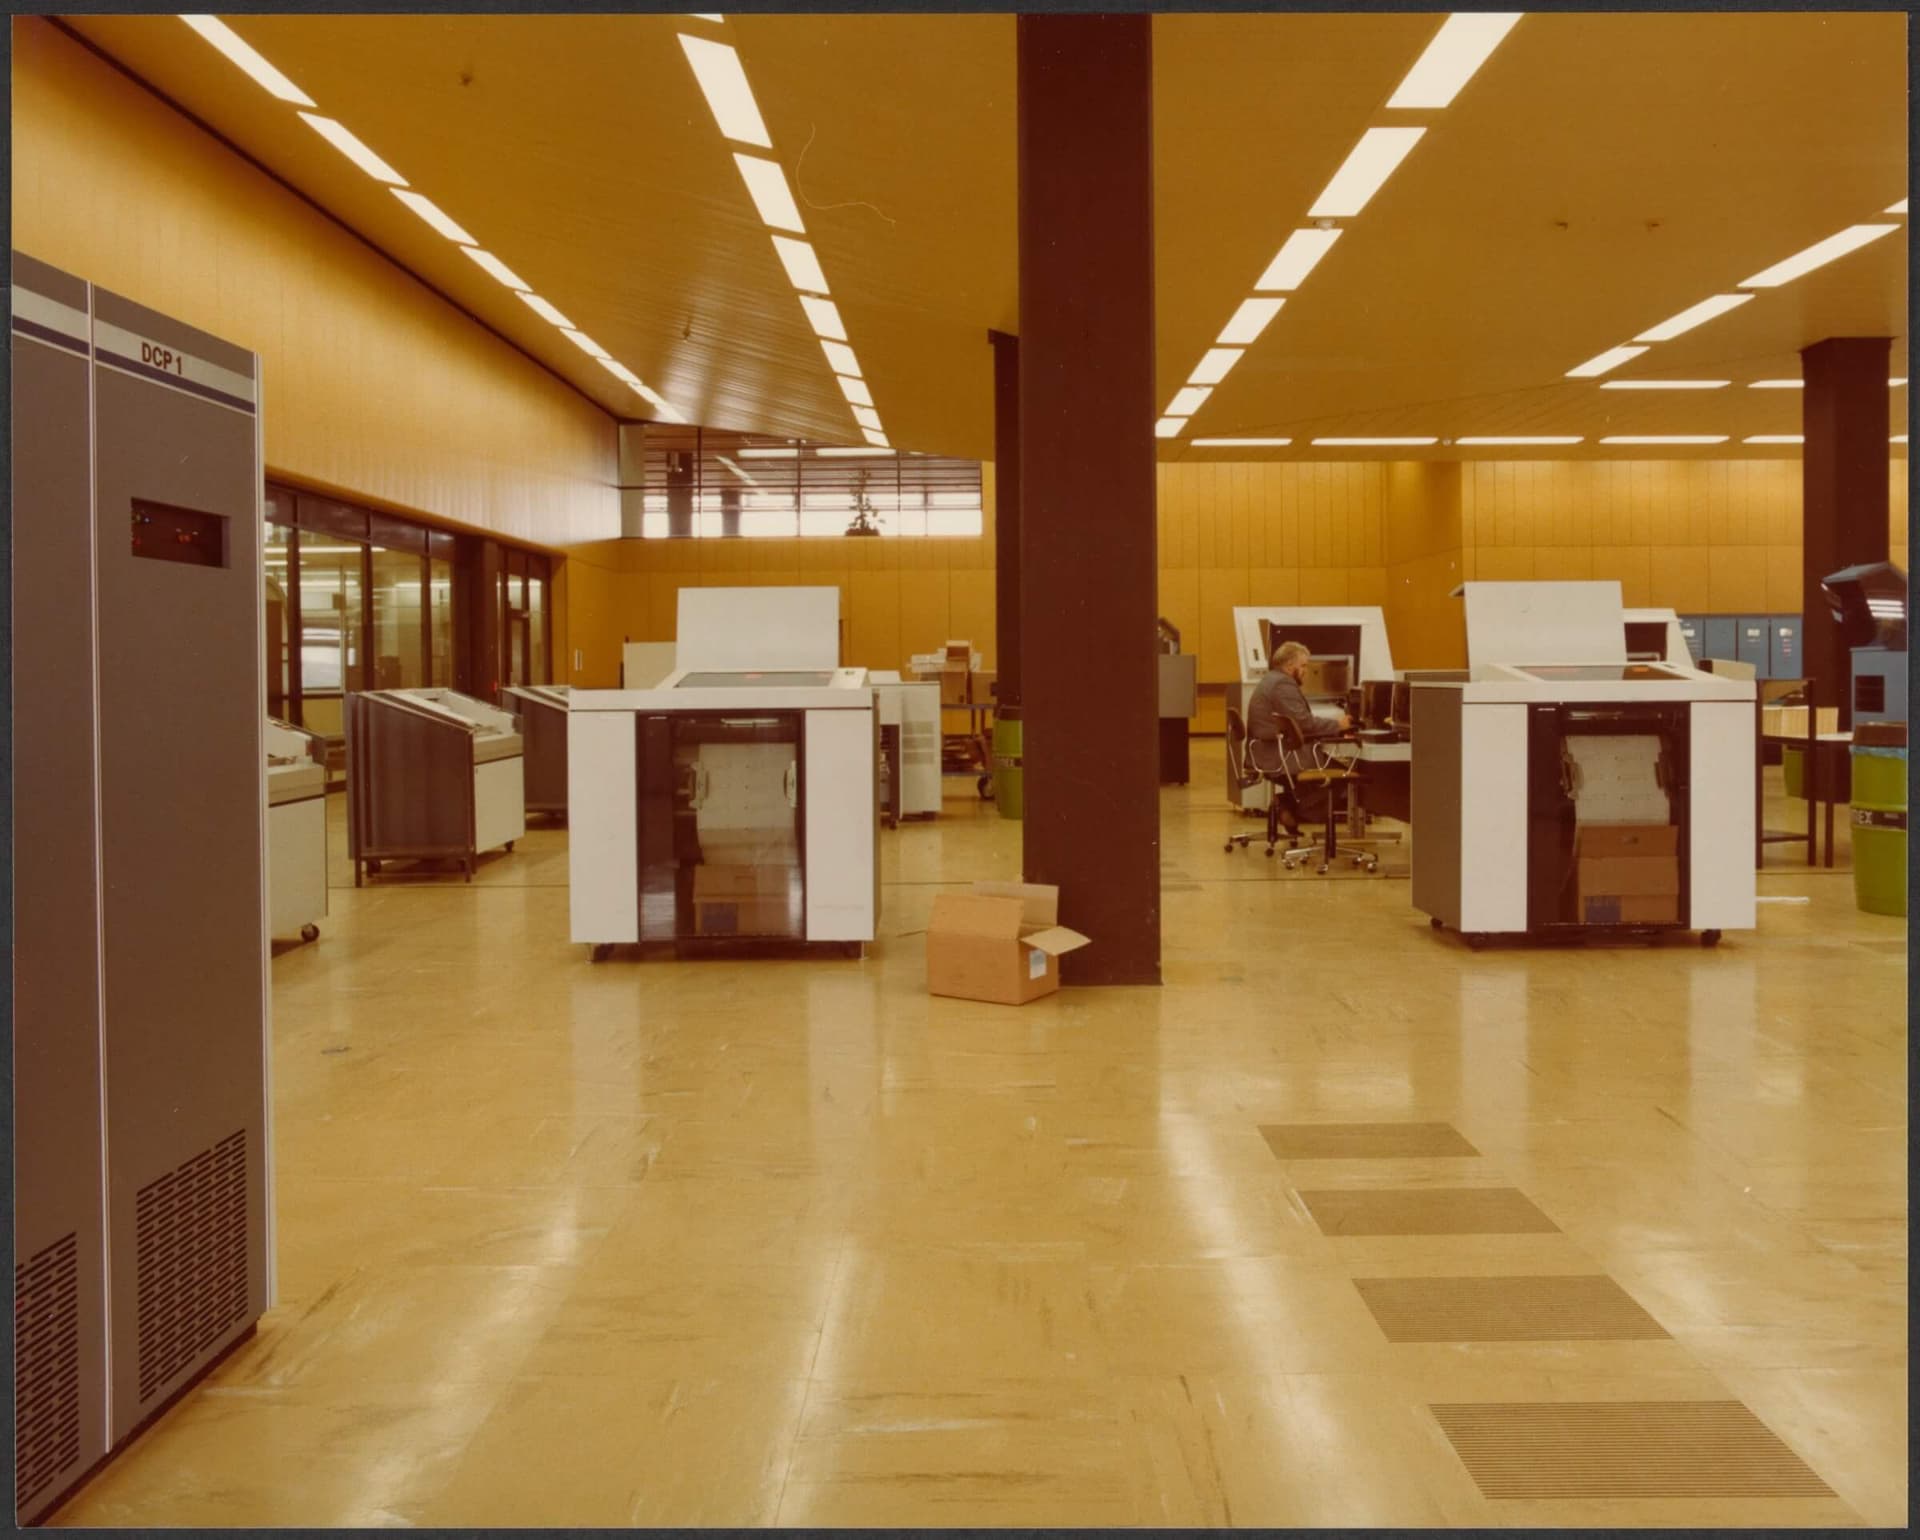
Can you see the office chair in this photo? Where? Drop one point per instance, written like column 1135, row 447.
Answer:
column 1324, row 770
column 1245, row 775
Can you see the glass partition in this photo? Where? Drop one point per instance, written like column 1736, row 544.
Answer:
column 440, row 609
column 279, row 617
column 399, row 620
column 332, row 611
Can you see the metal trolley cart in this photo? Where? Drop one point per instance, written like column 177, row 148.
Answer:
column 542, row 709
column 431, row 775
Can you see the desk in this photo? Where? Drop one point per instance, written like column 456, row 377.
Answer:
column 1386, row 785
column 1826, row 777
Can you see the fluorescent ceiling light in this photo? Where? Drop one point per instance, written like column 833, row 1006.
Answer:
column 1188, row 400
column 1364, row 171
column 621, row 372
column 1817, row 255
column 1459, row 48
column 545, row 311
column 1381, row 443
column 1776, row 385
column 840, row 356
column 1666, row 438
column 1898, row 208
column 846, row 454
column 769, row 454
column 1496, row 440
column 1898, row 438
column 855, row 390
column 496, row 267
column 706, row 16
column 1774, row 438
column 724, row 84
column 230, row 43
column 1694, row 315
column 1242, row 443
column 825, row 317
column 867, row 417
column 665, row 407
column 433, row 214
column 584, row 343
column 1249, row 321
column 1600, row 363
column 803, row 267
column 1213, row 365
column 767, row 186
column 876, row 437
column 337, row 135
column 1294, row 260
column 1897, row 383
column 1169, row 427
column 1664, row 384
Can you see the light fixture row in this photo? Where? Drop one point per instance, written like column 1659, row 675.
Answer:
column 1819, row 254
column 722, row 79
column 1458, row 49
column 1510, row 441
column 254, row 64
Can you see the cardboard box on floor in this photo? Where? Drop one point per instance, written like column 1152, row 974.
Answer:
column 743, row 900
column 1627, row 873
column 999, row 943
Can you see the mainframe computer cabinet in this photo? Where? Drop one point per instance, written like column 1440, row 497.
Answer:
column 140, row 965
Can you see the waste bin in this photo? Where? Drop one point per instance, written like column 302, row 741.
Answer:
column 1008, row 794
column 1880, row 826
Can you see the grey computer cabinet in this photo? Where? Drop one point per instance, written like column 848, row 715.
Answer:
column 141, row 1140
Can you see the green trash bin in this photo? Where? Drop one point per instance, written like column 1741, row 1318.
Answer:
column 1880, row 828
column 1008, row 793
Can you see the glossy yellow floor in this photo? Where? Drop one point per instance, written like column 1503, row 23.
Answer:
column 791, row 1242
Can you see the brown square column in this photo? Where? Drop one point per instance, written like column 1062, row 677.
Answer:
column 1844, row 469
column 1006, row 519
column 1087, row 497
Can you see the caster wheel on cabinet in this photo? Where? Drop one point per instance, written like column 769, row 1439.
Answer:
column 600, row 951
column 509, row 847
column 1709, row 938
column 1476, row 942
column 1437, row 923
column 309, row 932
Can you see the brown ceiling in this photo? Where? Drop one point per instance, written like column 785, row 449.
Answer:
column 1602, row 172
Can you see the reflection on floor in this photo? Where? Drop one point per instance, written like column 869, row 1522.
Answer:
column 686, row 1243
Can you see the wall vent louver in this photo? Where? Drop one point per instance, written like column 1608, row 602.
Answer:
column 191, row 1235
column 46, row 1392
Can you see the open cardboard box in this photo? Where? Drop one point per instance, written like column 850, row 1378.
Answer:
column 1002, row 943
column 1628, row 873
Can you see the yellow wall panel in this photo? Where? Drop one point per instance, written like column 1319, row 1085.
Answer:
column 1737, row 579
column 926, row 615
column 1222, row 589
column 1323, row 585
column 1179, row 595
column 971, row 591
column 1783, row 580
column 1681, row 578
column 1273, row 585
column 1505, row 564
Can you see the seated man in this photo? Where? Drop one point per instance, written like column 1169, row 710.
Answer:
column 1279, row 695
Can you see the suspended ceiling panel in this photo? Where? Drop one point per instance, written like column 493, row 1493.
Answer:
column 1601, row 173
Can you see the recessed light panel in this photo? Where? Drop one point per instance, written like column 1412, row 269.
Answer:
column 767, row 186
column 769, row 454
column 841, row 357
column 1776, row 385
column 432, row 213
column 1515, row 441
column 1817, row 255
column 1298, row 257
column 1692, row 316
column 851, row 454
column 824, row 316
column 1375, row 443
column 584, row 343
column 803, row 267
column 342, row 139
column 1666, row 438
column 855, row 390
column 230, row 43
column 545, row 311
column 1774, row 438
column 1600, row 363
column 724, row 84
column 1213, row 366
column 1664, row 384
column 1242, row 443
column 875, row 437
column 620, row 372
column 1249, row 321
column 1898, row 208
column 498, row 269
column 1458, row 49
column 1169, row 427
column 867, row 417
column 1188, row 400
column 1364, row 172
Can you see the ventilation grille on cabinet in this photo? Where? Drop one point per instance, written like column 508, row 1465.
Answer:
column 46, row 1346
column 191, row 1234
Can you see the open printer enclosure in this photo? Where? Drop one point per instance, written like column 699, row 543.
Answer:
column 1870, row 604
column 542, row 710
column 1561, row 789
column 1349, row 647
column 738, row 800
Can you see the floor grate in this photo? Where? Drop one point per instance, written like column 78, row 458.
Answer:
column 1578, row 1308
column 1426, row 1211
column 1589, row 1449
column 1363, row 1141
